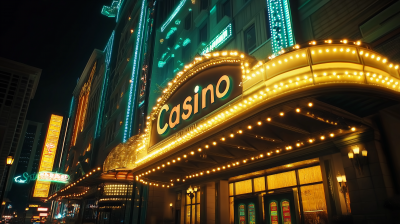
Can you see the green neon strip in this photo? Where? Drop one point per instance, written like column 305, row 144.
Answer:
column 171, row 17
column 280, row 23
column 217, row 41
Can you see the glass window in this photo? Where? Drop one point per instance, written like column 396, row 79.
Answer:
column 193, row 208
column 203, row 4
column 310, row 175
column 250, row 39
column 243, row 187
column 314, row 205
column 259, row 184
column 226, row 9
column 188, row 21
column 231, row 189
column 280, row 180
column 203, row 34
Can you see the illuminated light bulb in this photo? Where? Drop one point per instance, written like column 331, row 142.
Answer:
column 199, row 149
column 184, row 156
column 208, row 172
column 261, row 155
column 353, row 129
column 373, row 56
column 331, row 134
column 244, row 161
column 214, row 143
column 322, row 137
column 310, row 104
column 252, row 158
column 249, row 127
column 298, row 110
column 163, row 165
column 259, row 123
column 281, row 114
column 231, row 135
column 384, row 60
column 179, row 158
column 396, row 67
column 310, row 140
column 298, row 144
column 168, row 163
column 173, row 161
column 222, row 139
column 268, row 153
column 192, row 153
column 206, row 146
column 268, row 119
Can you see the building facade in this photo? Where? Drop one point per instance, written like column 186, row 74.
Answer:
column 234, row 111
column 18, row 87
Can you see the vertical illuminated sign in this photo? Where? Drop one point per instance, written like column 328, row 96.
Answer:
column 48, row 154
column 280, row 23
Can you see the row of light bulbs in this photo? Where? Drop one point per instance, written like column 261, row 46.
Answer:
column 74, row 183
column 214, row 143
column 212, row 122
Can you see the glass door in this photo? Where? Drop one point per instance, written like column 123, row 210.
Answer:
column 247, row 211
column 280, row 208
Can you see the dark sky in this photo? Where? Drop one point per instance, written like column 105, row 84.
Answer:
column 57, row 36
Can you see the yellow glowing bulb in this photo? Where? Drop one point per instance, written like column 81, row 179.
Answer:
column 353, row 129
column 222, row 139
column 259, row 123
column 192, row 153
column 298, row 110
column 322, row 137
column 332, row 135
column 268, row 119
column 240, row 131
column 298, row 144
column 232, row 135
column 184, row 156
column 199, row 149
column 281, row 114
column 310, row 140
column 214, row 143
column 206, row 146
column 249, row 127
column 310, row 104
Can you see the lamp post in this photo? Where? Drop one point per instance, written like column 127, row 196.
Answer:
column 9, row 162
column 191, row 192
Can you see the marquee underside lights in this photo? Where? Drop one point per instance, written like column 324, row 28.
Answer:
column 48, row 154
column 135, row 72
column 171, row 17
column 217, row 41
column 280, row 23
column 301, row 69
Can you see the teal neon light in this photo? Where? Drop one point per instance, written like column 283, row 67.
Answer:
column 217, row 41
column 177, row 46
column 186, row 42
column 111, row 11
column 26, row 178
column 133, row 86
column 280, row 23
column 172, row 31
column 53, row 177
column 108, row 50
column 171, row 17
column 70, row 107
column 213, row 9
column 119, row 9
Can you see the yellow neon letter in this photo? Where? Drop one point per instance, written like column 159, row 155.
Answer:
column 162, row 130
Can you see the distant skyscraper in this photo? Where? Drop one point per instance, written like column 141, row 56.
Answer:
column 18, row 83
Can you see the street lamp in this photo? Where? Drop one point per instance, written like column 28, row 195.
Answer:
column 191, row 192
column 9, row 162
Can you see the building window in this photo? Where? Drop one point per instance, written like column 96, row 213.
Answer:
column 203, row 4
column 203, row 34
column 192, row 209
column 250, row 39
column 188, row 21
column 186, row 57
column 225, row 10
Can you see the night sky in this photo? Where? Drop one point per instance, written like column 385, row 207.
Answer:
column 57, row 36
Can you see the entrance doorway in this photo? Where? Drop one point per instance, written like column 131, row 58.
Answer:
column 280, row 208
column 248, row 211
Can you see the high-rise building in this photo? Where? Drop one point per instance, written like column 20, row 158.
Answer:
column 238, row 111
column 18, row 83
